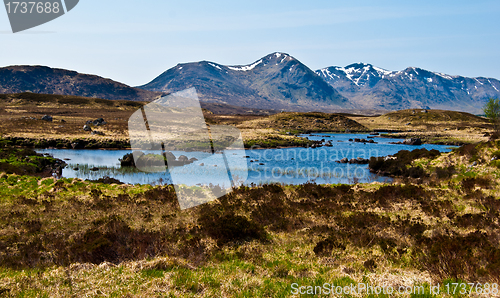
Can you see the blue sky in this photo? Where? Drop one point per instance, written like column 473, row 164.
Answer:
column 133, row 42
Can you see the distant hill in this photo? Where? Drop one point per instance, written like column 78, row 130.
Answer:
column 46, row 80
column 221, row 108
column 372, row 87
column 305, row 122
column 428, row 116
column 277, row 81
column 56, row 100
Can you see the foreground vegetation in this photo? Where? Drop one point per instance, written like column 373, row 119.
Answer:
column 68, row 237
column 437, row 223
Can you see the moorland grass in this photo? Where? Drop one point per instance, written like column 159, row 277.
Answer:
column 69, row 237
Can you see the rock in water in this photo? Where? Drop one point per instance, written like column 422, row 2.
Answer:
column 344, row 160
column 183, row 159
column 169, row 156
column 412, row 141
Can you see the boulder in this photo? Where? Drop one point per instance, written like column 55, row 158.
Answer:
column 128, row 159
column 169, row 156
column 87, row 128
column 412, row 141
column 97, row 133
column 96, row 122
column 183, row 158
column 99, row 122
column 77, row 145
column 361, row 161
column 47, row 118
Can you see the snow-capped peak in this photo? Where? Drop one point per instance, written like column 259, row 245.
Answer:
column 245, row 67
column 382, row 71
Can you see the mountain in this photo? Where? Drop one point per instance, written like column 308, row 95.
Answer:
column 277, row 81
column 372, row 87
column 42, row 79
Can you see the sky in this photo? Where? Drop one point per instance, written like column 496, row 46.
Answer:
column 134, row 41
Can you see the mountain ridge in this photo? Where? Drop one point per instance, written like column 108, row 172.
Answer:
column 276, row 81
column 374, row 87
column 47, row 80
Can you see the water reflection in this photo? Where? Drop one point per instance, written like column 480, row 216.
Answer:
column 288, row 165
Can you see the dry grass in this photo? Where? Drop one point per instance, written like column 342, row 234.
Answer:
column 435, row 126
column 17, row 111
column 70, row 237
column 304, row 122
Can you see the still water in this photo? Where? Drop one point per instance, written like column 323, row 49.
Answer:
column 288, row 166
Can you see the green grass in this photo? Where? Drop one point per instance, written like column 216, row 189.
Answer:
column 69, row 237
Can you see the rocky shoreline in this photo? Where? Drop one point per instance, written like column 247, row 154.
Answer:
column 67, row 143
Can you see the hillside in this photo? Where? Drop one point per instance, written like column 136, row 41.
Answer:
column 372, row 87
column 46, row 80
column 432, row 126
column 276, row 81
column 305, row 122
column 225, row 109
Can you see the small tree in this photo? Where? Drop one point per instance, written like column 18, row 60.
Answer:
column 492, row 111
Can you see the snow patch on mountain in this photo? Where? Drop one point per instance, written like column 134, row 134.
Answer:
column 246, row 67
column 216, row 66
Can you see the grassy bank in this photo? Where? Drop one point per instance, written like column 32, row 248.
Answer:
column 21, row 124
column 432, row 126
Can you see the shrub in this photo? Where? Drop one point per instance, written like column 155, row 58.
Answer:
column 229, row 227
column 326, row 246
column 398, row 165
column 443, row 173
